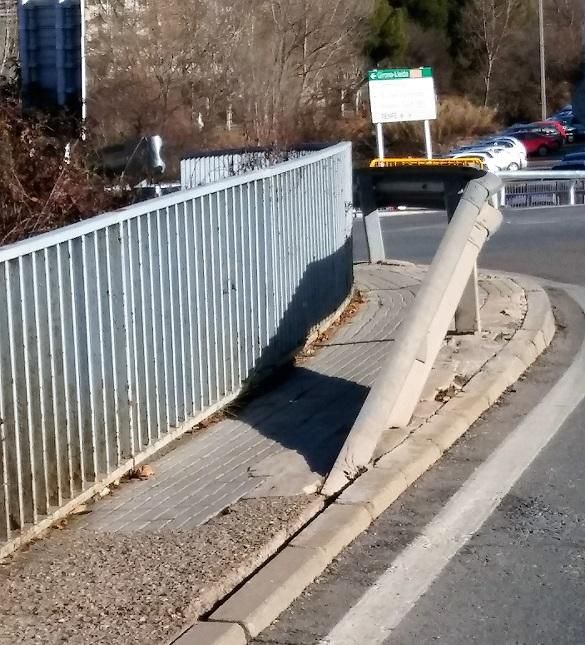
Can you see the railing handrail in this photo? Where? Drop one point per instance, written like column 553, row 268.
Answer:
column 520, row 175
column 98, row 222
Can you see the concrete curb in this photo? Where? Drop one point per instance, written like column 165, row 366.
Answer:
column 279, row 582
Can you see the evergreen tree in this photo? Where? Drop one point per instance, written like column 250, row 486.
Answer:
column 387, row 38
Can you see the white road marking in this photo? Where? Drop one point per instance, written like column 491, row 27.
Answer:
column 384, row 605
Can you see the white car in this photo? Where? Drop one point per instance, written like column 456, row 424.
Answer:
column 485, row 156
column 512, row 143
column 505, row 158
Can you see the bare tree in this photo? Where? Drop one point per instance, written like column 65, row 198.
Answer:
column 488, row 24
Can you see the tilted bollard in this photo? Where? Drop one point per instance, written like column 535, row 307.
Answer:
column 397, row 389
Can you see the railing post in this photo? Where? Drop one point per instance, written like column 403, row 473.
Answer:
column 372, row 227
column 375, row 241
column 572, row 192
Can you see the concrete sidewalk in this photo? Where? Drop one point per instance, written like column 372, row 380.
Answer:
column 300, row 419
column 157, row 553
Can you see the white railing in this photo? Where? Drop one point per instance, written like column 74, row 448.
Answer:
column 120, row 332
column 203, row 168
column 541, row 188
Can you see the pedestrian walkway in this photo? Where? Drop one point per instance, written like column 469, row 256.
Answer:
column 308, row 414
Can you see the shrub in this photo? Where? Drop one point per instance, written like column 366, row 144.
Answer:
column 39, row 190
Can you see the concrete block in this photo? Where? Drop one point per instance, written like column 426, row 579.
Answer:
column 539, row 341
column 412, row 458
column 538, row 305
column 486, row 383
column 375, row 490
column 335, row 528
column 261, row 600
column 507, row 364
column 443, row 430
column 467, row 404
column 212, row 634
column 549, row 328
column 522, row 346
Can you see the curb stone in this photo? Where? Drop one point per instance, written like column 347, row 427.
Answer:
column 276, row 585
column 213, row 634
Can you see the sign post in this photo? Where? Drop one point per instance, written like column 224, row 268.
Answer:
column 403, row 95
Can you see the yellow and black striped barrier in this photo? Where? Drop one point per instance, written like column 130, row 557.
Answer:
column 401, row 162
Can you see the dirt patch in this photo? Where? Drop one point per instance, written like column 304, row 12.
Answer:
column 84, row 587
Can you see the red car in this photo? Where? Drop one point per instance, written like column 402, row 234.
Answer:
column 537, row 143
column 559, row 127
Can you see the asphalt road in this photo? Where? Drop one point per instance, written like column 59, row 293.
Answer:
column 549, row 243
column 520, row 578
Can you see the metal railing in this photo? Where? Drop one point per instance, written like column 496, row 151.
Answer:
column 203, row 168
column 541, row 188
column 119, row 332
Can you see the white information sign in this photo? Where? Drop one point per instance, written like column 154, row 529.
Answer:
column 402, row 95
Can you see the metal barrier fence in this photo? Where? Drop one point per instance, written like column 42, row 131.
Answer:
column 540, row 188
column 202, row 168
column 118, row 333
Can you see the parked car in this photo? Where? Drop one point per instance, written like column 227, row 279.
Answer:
column 564, row 112
column 570, row 165
column 538, row 143
column 557, row 125
column 487, row 159
column 519, row 156
column 574, row 156
column 534, row 127
column 503, row 157
column 574, row 128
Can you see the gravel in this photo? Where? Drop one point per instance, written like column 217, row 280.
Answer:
column 82, row 587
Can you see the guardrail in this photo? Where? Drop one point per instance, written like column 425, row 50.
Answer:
column 540, row 188
column 396, row 392
column 119, row 333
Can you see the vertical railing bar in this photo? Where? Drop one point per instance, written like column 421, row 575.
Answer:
column 4, row 454
column 77, row 364
column 238, row 226
column 28, row 388
column 259, row 304
column 274, row 242
column 190, row 405
column 213, row 233
column 199, row 288
column 17, row 426
column 40, row 372
column 267, row 252
column 163, row 290
column 117, row 448
column 49, row 287
column 153, row 426
column 101, row 391
column 182, row 267
column 230, row 234
column 252, row 223
column 133, row 385
column 66, row 374
column 219, row 233
column 207, row 266
column 4, row 442
column 171, row 386
column 246, row 274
